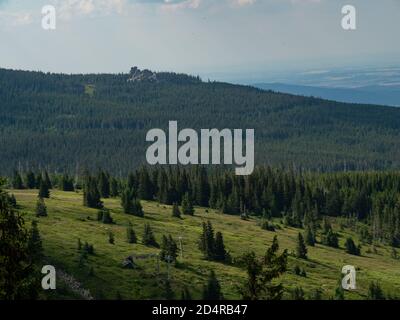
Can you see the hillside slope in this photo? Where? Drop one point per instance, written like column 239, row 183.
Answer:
column 64, row 122
column 104, row 276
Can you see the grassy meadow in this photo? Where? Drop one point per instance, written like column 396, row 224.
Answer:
column 68, row 220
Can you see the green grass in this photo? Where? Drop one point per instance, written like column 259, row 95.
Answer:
column 89, row 89
column 69, row 220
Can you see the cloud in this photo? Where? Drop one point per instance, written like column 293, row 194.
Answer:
column 15, row 18
column 69, row 8
column 171, row 5
column 242, row 3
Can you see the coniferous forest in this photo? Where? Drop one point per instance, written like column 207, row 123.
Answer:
column 76, row 193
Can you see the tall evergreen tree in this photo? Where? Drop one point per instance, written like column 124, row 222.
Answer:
column 219, row 247
column 91, row 194
column 176, row 213
column 41, row 209
column 310, row 237
column 301, row 249
column 17, row 181
column 148, row 237
column 35, row 243
column 17, row 274
column 261, row 273
column 187, row 205
column 44, row 190
column 169, row 249
column 30, row 181
column 212, row 290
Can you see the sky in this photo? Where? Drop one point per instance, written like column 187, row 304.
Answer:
column 220, row 39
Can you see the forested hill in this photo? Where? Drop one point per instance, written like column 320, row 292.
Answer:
column 62, row 122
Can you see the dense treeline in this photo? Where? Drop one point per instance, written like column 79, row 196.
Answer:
column 54, row 120
column 300, row 199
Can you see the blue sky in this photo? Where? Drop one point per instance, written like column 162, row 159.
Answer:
column 206, row 37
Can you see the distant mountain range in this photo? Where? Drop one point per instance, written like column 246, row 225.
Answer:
column 382, row 95
column 65, row 122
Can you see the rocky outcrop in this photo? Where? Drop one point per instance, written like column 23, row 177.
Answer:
column 142, row 75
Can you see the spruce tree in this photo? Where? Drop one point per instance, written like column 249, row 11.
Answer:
column 130, row 204
column 301, row 249
column 169, row 249
column 47, row 180
column 103, row 184
column 44, row 190
column 114, row 187
column 351, row 247
column 219, row 247
column 30, row 181
column 310, row 237
column 148, row 237
column 168, row 292
column 18, row 280
column 375, row 291
column 185, row 294
column 187, row 205
column 176, row 213
column 212, row 290
column 261, row 273
column 91, row 194
column 130, row 234
column 111, row 238
column 17, row 181
column 35, row 243
column 41, row 210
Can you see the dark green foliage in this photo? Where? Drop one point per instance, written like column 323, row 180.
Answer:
column 299, row 271
column 148, row 237
column 103, row 184
column 111, row 239
column 316, row 294
column 35, row 243
column 12, row 201
column 169, row 249
column 30, row 181
column 330, row 239
column 266, row 225
column 375, row 291
column 41, row 210
column 298, row 294
column 219, row 248
column 114, row 187
column 130, row 204
column 46, row 180
column 79, row 244
column 17, row 274
column 88, row 248
column 187, row 205
column 67, row 183
column 310, row 237
column 261, row 273
column 17, row 181
column 301, row 249
column 116, row 118
column 176, row 213
column 351, row 247
column 44, row 190
column 104, row 216
column 131, row 235
column 185, row 294
column 212, row 245
column 212, row 290
column 91, row 194
column 168, row 292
